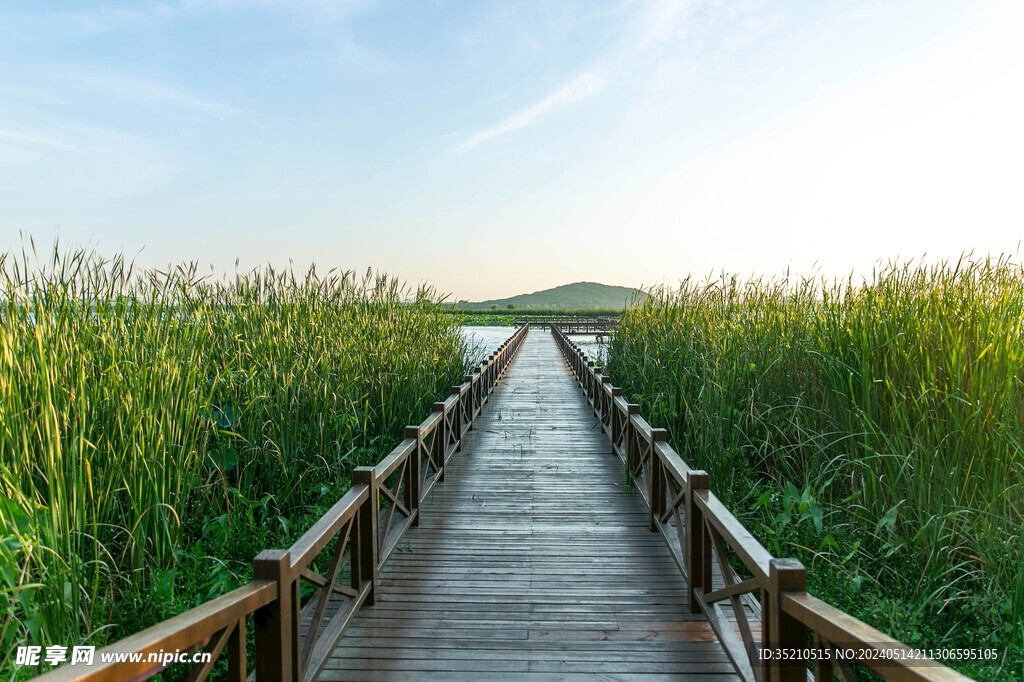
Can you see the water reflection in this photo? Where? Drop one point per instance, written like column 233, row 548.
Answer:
column 596, row 347
column 483, row 340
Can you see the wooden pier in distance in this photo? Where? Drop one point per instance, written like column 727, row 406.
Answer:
column 571, row 325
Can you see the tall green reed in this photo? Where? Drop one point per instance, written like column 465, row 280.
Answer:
column 138, row 407
column 897, row 402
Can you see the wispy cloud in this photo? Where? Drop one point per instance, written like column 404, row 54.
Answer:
column 583, row 86
column 107, row 18
column 662, row 20
column 22, row 138
column 145, row 91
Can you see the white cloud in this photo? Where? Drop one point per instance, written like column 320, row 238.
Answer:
column 103, row 19
column 28, row 139
column 144, row 92
column 662, row 20
column 583, row 86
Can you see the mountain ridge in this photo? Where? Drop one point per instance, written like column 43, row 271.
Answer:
column 574, row 296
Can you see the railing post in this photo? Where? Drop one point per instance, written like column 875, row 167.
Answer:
column 478, row 395
column 823, row 668
column 698, row 542
column 616, row 430
column 366, row 549
column 657, row 490
column 277, row 656
column 472, row 406
column 457, row 419
column 590, row 372
column 414, row 474
column 606, row 403
column 782, row 631
column 631, row 444
column 598, row 391
column 236, row 653
column 441, row 442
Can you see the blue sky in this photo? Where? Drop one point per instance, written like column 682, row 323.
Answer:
column 493, row 148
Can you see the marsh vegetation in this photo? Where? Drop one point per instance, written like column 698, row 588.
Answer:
column 160, row 428
column 873, row 430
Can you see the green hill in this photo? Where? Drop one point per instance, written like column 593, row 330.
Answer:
column 577, row 296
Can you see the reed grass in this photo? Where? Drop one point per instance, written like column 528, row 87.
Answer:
column 158, row 427
column 872, row 429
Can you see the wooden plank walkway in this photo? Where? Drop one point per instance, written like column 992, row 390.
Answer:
column 530, row 559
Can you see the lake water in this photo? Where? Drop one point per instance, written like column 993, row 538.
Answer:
column 596, row 349
column 483, row 340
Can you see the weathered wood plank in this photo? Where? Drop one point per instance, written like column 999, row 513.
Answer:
column 532, row 559
column 481, row 676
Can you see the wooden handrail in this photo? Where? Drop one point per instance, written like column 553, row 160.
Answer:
column 294, row 639
column 431, row 422
column 326, row 624
column 216, row 621
column 641, row 425
column 753, row 554
column 394, row 459
column 841, row 629
column 575, row 325
column 672, row 462
column 699, row 531
column 312, row 542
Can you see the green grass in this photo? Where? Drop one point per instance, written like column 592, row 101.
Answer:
column 158, row 429
column 872, row 430
column 477, row 320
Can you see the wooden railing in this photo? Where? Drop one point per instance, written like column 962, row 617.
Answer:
column 572, row 325
column 763, row 614
column 298, row 613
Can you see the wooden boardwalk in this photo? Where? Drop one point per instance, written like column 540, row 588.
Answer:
column 527, row 553
column 531, row 560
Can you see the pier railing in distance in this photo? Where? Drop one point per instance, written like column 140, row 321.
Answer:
column 571, row 325
column 298, row 611
column 770, row 626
